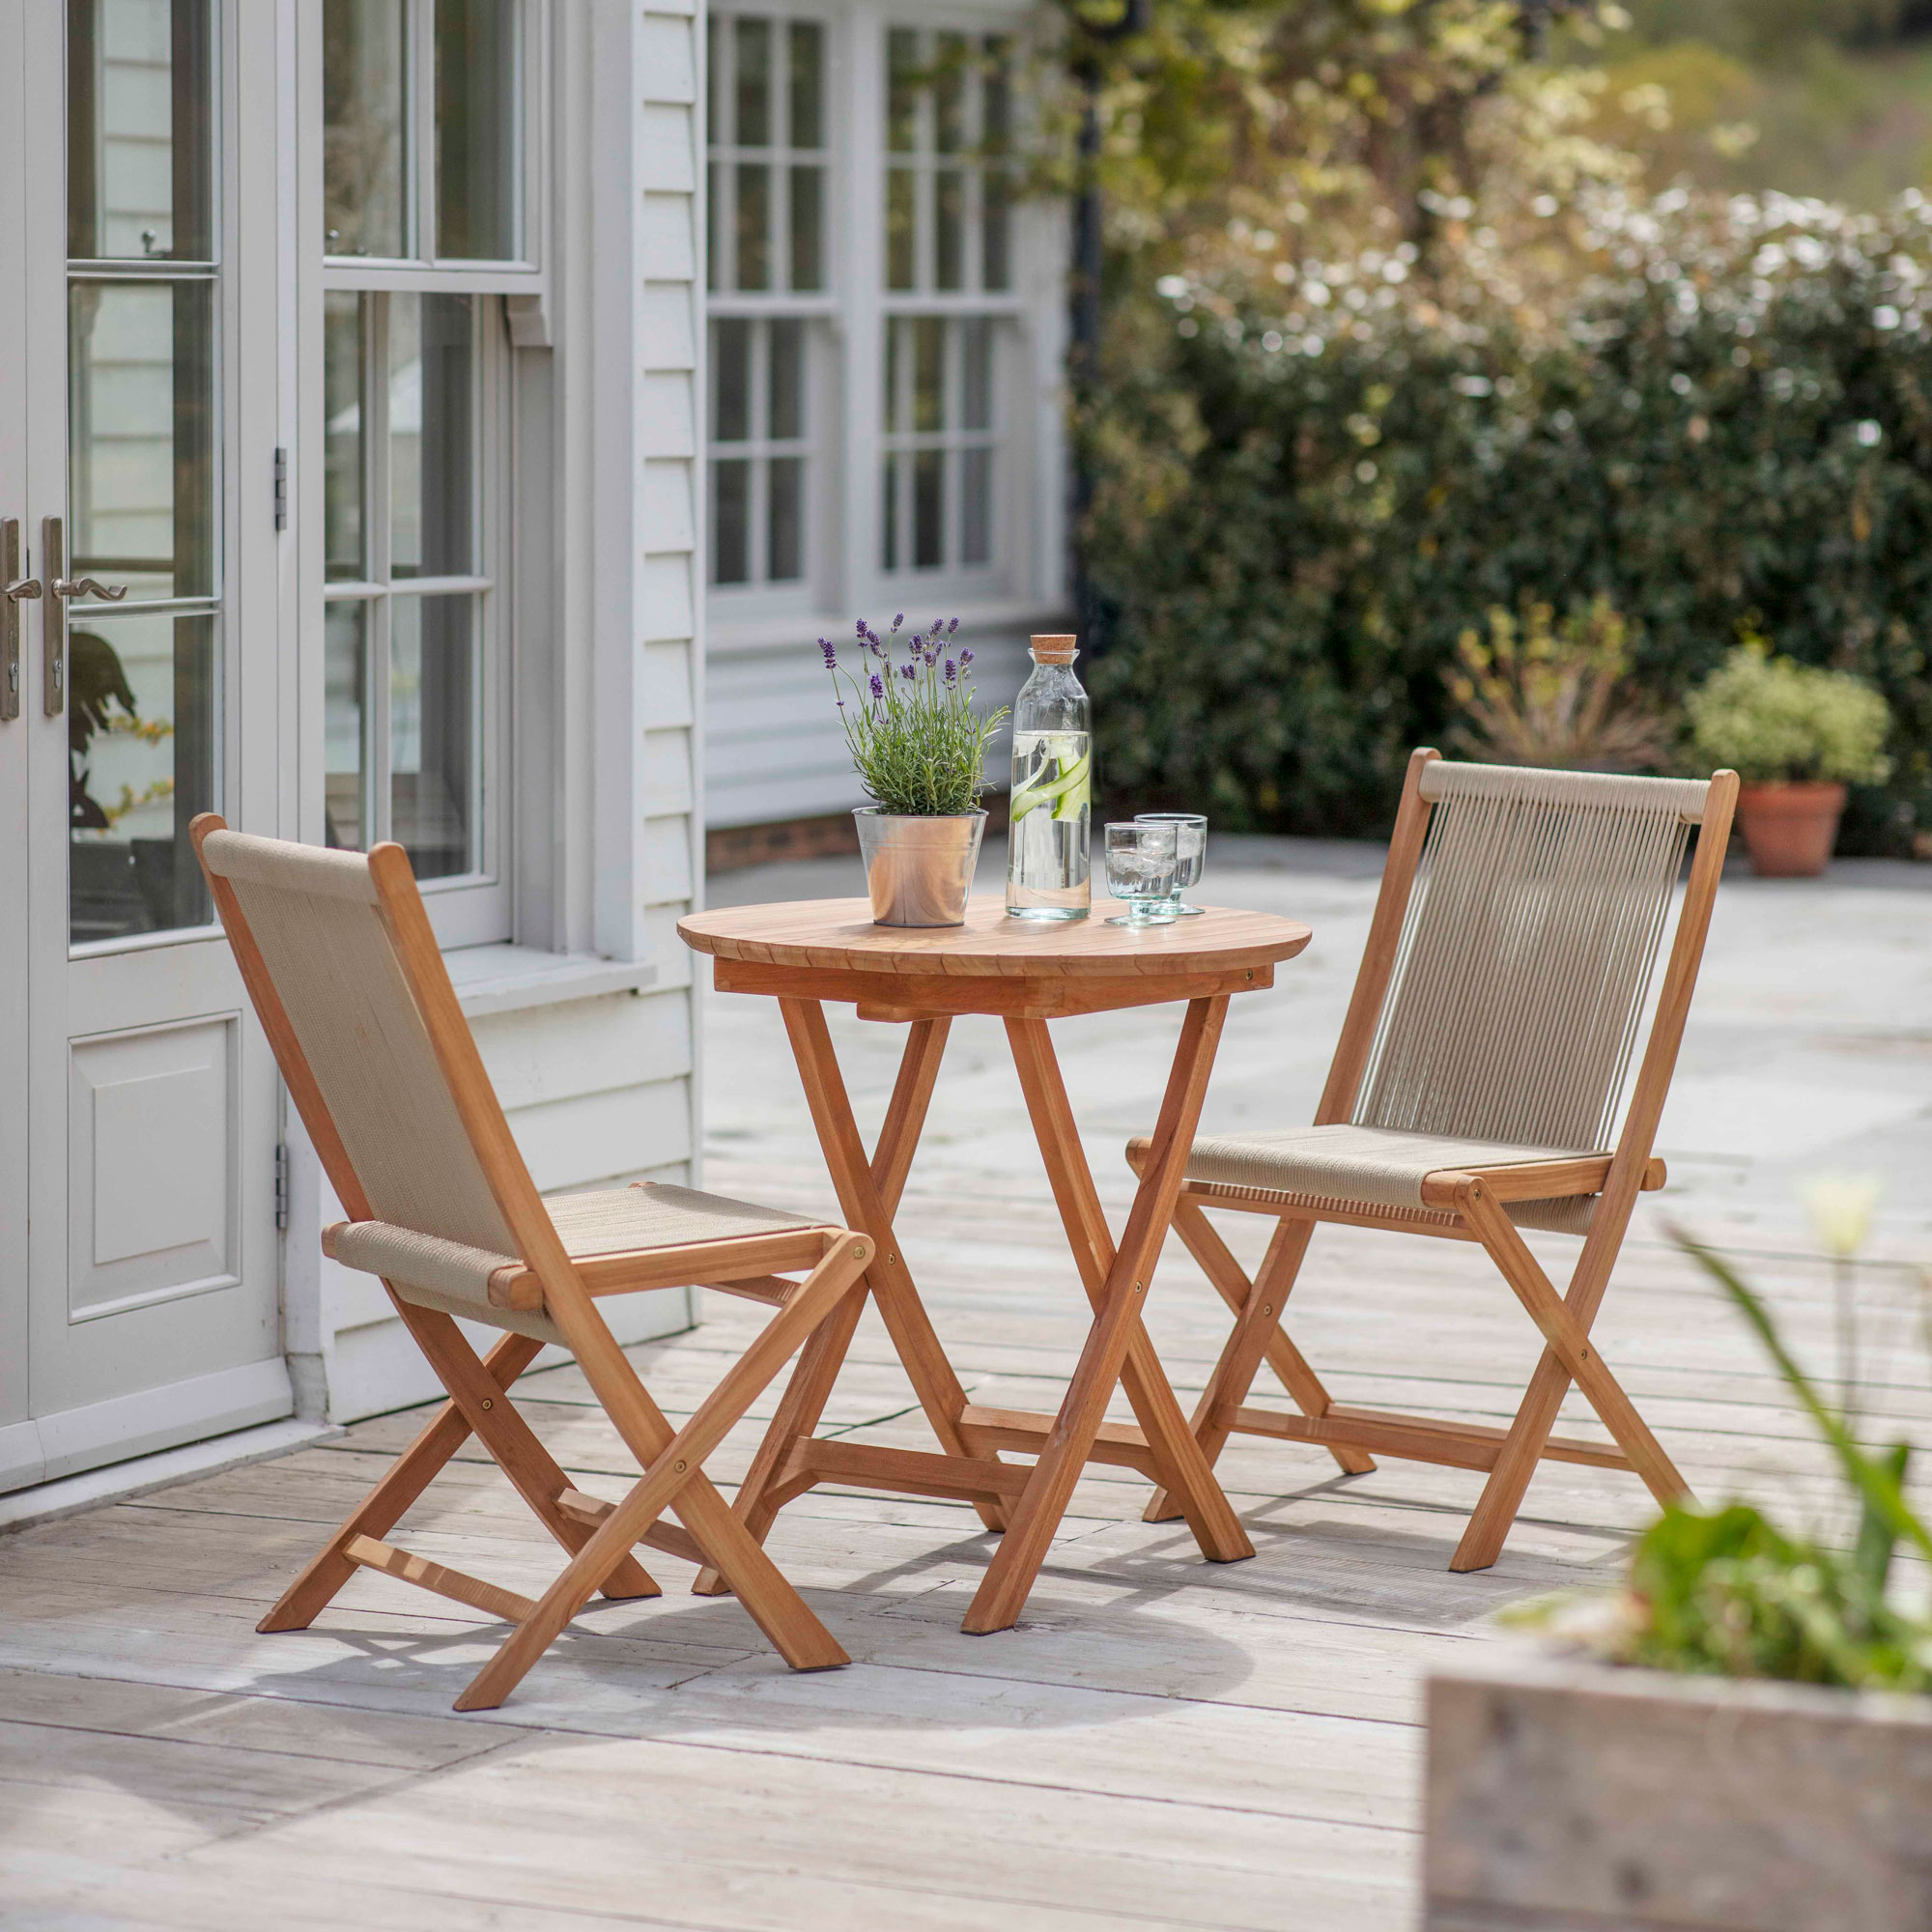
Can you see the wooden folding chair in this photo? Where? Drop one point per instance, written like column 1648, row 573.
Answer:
column 338, row 956
column 1475, row 1088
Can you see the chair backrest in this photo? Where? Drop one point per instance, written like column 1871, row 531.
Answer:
column 1532, row 931
column 343, row 1013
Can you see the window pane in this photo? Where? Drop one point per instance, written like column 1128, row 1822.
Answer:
column 731, row 364
column 948, row 95
column 928, row 509
column 731, row 522
column 432, row 435
column 889, row 502
column 141, row 468
column 343, row 377
column 345, row 711
column 903, row 92
column 140, row 733
column 995, row 230
column 787, row 517
column 896, row 332
column 754, row 203
column 787, row 383
column 432, row 733
column 996, row 100
column 977, row 374
column 715, row 177
column 807, row 228
column 807, row 84
column 928, row 373
column 950, row 238
column 754, row 48
column 714, row 79
column 478, row 131
column 976, row 509
column 139, row 161
column 364, row 166
column 901, row 234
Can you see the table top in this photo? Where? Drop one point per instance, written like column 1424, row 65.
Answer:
column 838, row 935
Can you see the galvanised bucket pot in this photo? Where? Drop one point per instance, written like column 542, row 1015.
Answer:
column 918, row 870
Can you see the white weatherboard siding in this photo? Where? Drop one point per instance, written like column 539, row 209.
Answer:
column 598, row 1087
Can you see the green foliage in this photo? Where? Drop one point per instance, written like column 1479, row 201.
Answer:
column 1305, row 494
column 1776, row 721
column 1726, row 1592
column 917, row 745
column 1538, row 693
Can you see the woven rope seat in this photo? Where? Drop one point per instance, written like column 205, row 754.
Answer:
column 1346, row 1167
column 455, row 1277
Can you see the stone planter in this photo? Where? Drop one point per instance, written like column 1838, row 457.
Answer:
column 1571, row 1796
column 1790, row 829
column 919, row 871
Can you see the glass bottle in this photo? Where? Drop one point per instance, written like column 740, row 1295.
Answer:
column 1048, row 857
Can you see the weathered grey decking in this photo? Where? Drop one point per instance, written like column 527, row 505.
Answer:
column 1161, row 1742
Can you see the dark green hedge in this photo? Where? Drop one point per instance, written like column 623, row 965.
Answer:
column 1733, row 427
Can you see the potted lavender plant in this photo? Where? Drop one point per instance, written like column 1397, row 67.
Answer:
column 920, row 749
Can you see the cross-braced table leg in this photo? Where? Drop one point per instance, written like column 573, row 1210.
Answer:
column 1116, row 1323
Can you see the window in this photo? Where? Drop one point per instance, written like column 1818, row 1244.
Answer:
column 938, row 491
column 426, row 228
column 767, row 176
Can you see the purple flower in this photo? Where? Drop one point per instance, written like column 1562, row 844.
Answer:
column 878, row 687
column 908, row 670
column 951, row 674
column 831, row 655
column 952, row 627
column 862, row 627
column 898, row 620
column 965, row 657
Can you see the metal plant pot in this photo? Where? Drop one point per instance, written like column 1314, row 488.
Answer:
column 918, row 870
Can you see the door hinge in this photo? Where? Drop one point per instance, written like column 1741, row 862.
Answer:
column 282, row 1186
column 281, row 489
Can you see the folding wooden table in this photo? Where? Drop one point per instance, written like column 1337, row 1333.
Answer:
column 1025, row 974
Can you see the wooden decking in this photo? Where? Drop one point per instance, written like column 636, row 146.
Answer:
column 1160, row 1743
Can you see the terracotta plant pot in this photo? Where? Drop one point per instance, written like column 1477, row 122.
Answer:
column 1790, row 829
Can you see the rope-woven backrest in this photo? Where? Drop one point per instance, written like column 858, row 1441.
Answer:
column 1532, row 931
column 319, row 924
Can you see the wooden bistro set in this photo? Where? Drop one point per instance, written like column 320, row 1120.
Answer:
column 1483, row 1083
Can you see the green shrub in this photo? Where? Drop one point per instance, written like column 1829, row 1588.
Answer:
column 1300, row 504
column 1776, row 721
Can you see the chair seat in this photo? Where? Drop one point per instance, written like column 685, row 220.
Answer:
column 1354, row 1169
column 451, row 1276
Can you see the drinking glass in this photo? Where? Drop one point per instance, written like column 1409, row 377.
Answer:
column 1140, row 872
column 1190, row 853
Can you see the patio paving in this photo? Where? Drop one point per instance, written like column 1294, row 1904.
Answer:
column 1160, row 1743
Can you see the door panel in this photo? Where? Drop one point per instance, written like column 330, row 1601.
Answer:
column 151, row 1302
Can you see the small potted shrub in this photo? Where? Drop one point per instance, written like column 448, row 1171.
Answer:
column 920, row 749
column 1740, row 1740
column 1797, row 736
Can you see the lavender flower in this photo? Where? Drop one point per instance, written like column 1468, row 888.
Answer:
column 898, row 620
column 951, row 674
column 952, row 627
column 825, row 644
column 965, row 655
column 908, row 669
column 878, row 687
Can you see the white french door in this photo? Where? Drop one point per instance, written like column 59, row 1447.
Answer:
column 139, row 1262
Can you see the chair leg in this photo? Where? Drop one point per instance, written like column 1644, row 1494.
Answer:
column 676, row 1467
column 1568, row 1355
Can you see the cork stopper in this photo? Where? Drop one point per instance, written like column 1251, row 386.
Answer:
column 1055, row 650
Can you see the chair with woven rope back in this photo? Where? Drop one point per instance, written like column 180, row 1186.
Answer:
column 338, row 956
column 1475, row 1090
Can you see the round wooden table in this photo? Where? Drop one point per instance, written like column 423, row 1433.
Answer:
column 1024, row 972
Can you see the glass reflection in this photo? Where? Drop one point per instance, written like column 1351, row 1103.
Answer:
column 432, row 733
column 365, row 158
column 141, row 472
column 432, row 435
column 345, row 725
column 343, row 373
column 140, row 153
column 477, row 131
column 140, row 719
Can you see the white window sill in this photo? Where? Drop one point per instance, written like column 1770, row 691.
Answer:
column 506, row 978
column 725, row 633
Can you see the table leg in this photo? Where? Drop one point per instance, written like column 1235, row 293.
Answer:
column 1003, row 1591
column 1186, row 1471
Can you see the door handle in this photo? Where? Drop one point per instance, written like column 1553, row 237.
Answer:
column 14, row 589
column 83, row 587
column 60, row 589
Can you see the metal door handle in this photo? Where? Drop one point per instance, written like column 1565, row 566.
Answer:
column 84, row 586
column 14, row 590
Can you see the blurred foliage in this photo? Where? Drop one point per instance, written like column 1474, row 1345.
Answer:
column 1536, row 692
column 1774, row 721
column 1307, row 489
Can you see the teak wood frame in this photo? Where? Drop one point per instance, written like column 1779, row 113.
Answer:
column 1476, row 1202
column 1025, row 1504
column 597, row 1536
